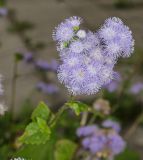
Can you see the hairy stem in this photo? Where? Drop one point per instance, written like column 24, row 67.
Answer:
column 58, row 115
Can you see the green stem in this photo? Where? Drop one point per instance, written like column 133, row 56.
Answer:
column 13, row 90
column 60, row 112
column 58, row 115
column 84, row 118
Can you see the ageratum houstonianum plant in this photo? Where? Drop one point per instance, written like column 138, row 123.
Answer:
column 88, row 58
column 87, row 65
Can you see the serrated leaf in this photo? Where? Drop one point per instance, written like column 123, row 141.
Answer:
column 65, row 150
column 39, row 152
column 78, row 107
column 36, row 132
column 42, row 111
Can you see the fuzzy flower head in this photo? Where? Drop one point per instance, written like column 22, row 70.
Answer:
column 117, row 38
column 64, row 32
column 88, row 58
column 74, row 21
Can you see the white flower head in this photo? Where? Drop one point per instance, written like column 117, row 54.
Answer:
column 3, row 109
column 20, row 159
column 81, row 33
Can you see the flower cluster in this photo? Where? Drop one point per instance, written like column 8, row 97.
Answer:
column 88, row 58
column 102, row 142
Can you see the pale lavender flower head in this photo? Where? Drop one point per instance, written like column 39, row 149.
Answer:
column 112, row 124
column 117, row 38
column 90, row 41
column 64, row 32
column 76, row 47
column 74, row 21
column 136, row 88
column 47, row 88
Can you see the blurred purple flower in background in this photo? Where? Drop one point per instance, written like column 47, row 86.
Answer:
column 28, row 57
column 86, row 130
column 3, row 11
column 45, row 66
column 112, row 124
column 102, row 142
column 114, row 84
column 47, row 88
column 136, row 88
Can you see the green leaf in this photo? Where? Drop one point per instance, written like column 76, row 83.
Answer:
column 65, row 150
column 128, row 154
column 76, row 28
column 38, row 152
column 42, row 111
column 18, row 57
column 78, row 107
column 36, row 132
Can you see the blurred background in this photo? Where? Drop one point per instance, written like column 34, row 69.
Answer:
column 29, row 60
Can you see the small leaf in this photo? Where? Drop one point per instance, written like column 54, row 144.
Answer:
column 78, row 107
column 65, row 150
column 36, row 133
column 18, row 57
column 42, row 111
column 76, row 28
